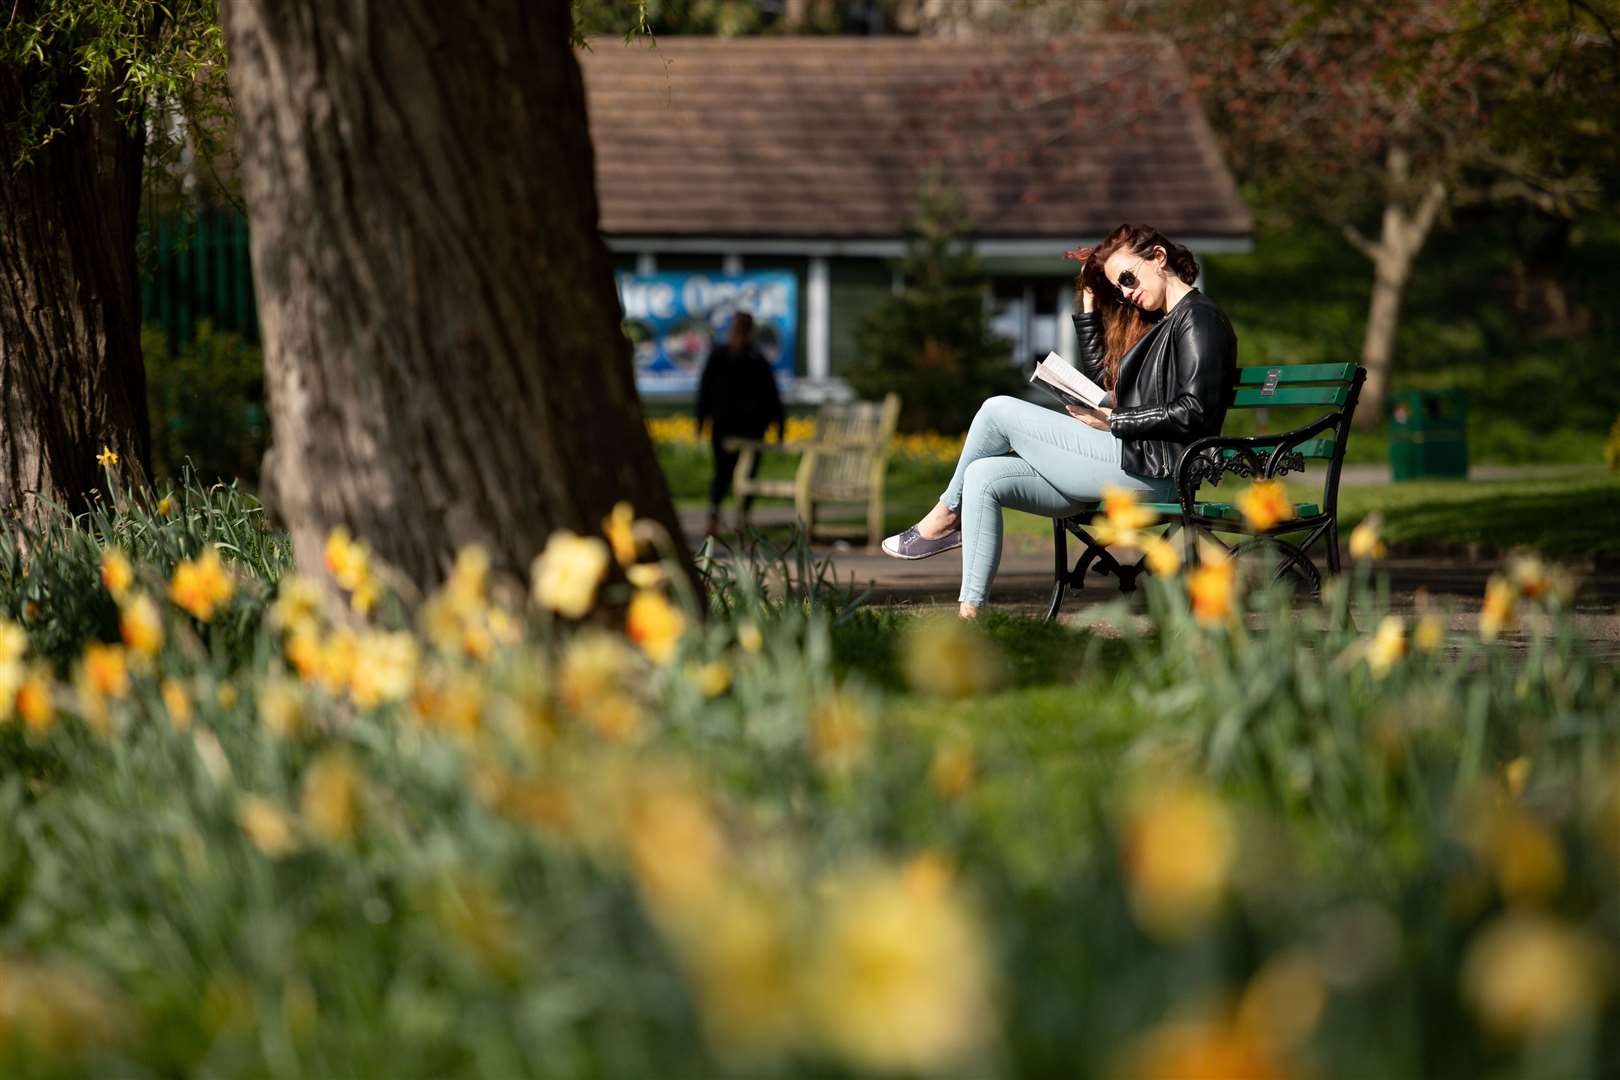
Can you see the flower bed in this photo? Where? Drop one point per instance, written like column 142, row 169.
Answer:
column 580, row 824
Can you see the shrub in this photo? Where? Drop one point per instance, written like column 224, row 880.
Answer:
column 207, row 406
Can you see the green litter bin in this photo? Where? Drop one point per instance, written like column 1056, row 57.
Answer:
column 1428, row 435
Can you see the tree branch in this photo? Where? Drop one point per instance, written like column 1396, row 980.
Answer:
column 1423, row 220
column 1360, row 242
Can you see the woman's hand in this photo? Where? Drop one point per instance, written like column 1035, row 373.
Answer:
column 1092, row 418
column 1088, row 302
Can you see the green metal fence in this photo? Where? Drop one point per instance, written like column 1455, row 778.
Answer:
column 195, row 266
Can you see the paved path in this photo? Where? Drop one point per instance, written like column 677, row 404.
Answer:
column 1024, row 582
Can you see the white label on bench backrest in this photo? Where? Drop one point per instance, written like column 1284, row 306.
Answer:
column 1272, row 375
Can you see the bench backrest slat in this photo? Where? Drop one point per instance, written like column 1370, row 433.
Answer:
column 1296, row 373
column 1251, row 397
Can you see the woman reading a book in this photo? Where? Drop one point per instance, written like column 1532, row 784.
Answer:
column 1168, row 357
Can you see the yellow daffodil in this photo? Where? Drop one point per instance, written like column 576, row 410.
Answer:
column 899, row 978
column 107, row 458
column 281, row 707
column 140, row 623
column 116, row 572
column 645, row 575
column 340, row 652
column 297, row 607
column 33, row 699
column 1207, row 1050
column 1364, row 539
column 11, row 677
column 655, row 625
column 304, row 654
column 619, row 527
column 1163, row 558
column 106, row 670
column 712, row 679
column 1496, row 615
column 268, row 827
column 617, row 718
column 1284, row 1002
column 565, row 575
column 330, row 803
column 384, row 669
column 201, row 586
column 177, row 703
column 1179, row 845
column 1535, row 580
column 1524, row 855
column 1125, row 511
column 594, row 665
column 348, row 560
column 675, row 845
column 1429, row 633
column 953, row 769
column 1265, row 504
column 749, row 638
column 451, row 702
column 950, row 658
column 1212, row 586
column 742, row 959
column 837, row 731
column 1529, row 975
column 165, row 506
column 13, row 641
column 1515, row 774
column 468, row 583
column 1387, row 646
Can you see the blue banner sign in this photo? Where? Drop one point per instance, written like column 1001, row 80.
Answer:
column 673, row 320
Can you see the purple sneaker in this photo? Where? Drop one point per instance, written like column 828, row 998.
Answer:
column 911, row 544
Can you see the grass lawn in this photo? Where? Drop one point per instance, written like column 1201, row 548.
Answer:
column 1567, row 515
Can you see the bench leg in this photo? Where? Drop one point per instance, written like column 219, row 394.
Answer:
column 1333, row 546
column 1060, row 572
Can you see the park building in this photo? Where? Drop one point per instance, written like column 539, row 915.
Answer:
column 785, row 171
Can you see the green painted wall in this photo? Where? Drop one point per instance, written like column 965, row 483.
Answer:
column 857, row 286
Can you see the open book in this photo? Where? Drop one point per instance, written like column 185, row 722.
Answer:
column 1067, row 383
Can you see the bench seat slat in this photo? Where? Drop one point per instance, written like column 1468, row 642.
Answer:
column 1222, row 510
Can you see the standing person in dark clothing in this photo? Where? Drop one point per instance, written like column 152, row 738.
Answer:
column 738, row 394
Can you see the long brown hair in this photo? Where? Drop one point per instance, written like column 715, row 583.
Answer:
column 1124, row 324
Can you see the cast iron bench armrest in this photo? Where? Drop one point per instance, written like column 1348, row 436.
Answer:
column 1195, row 464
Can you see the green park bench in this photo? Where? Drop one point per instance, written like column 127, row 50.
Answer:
column 1255, row 457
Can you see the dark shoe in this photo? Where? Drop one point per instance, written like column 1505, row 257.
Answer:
column 912, row 545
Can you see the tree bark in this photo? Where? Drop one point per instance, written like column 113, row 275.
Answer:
column 71, row 377
column 1403, row 230
column 443, row 353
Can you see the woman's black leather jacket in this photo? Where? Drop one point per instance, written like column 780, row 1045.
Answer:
column 1174, row 385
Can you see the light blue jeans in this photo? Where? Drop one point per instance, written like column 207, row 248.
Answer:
column 1027, row 457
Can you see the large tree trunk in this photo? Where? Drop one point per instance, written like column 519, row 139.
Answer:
column 443, row 352
column 71, row 378
column 1401, row 236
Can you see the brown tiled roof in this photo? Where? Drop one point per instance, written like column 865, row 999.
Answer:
column 827, row 137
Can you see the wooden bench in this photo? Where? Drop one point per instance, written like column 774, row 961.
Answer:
column 844, row 462
column 1257, row 457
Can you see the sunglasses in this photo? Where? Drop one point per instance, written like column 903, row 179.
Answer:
column 1128, row 279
